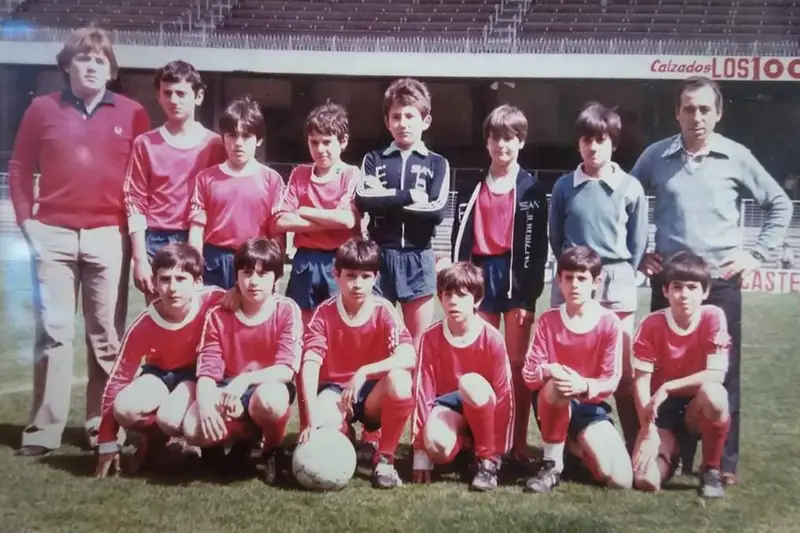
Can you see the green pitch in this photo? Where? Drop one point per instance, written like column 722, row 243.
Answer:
column 58, row 494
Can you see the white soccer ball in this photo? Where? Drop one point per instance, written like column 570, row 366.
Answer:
column 325, row 462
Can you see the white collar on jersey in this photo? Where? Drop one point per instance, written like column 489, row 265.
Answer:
column 363, row 314
column 584, row 323
column 418, row 147
column 474, row 331
column 191, row 139
column 194, row 309
column 334, row 171
column 259, row 318
column 611, row 175
column 676, row 329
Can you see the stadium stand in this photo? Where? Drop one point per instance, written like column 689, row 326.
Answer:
column 360, row 17
column 719, row 19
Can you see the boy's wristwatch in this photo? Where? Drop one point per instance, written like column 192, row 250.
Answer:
column 759, row 256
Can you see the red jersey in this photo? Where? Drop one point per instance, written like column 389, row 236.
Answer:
column 342, row 344
column 334, row 191
column 494, row 220
column 161, row 178
column 662, row 347
column 591, row 346
column 235, row 208
column 154, row 341
column 233, row 343
column 441, row 362
column 81, row 159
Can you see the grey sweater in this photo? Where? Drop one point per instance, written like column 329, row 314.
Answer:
column 696, row 205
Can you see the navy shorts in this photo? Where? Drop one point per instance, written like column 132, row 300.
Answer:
column 170, row 378
column 451, row 400
column 672, row 415
column 584, row 414
column 156, row 239
column 247, row 395
column 311, row 281
column 218, row 268
column 359, row 415
column 406, row 275
column 496, row 283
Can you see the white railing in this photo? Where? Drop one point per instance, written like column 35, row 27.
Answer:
column 21, row 31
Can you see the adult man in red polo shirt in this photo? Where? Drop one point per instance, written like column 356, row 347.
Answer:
column 79, row 141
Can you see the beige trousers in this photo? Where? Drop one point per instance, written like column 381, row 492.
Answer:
column 66, row 262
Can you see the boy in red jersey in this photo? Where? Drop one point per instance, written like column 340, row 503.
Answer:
column 318, row 207
column 163, row 169
column 502, row 228
column 233, row 201
column 463, row 383
column 358, row 359
column 248, row 357
column 681, row 353
column 166, row 335
column 573, row 365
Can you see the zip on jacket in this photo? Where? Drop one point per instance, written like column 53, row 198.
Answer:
column 529, row 242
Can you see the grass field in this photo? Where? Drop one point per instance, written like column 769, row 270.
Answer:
column 58, row 493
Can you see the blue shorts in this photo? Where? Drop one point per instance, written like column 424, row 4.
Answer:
column 584, row 414
column 248, row 395
column 496, row 283
column 156, row 239
column 311, row 281
column 451, row 400
column 406, row 275
column 218, row 268
column 359, row 415
column 672, row 415
column 170, row 378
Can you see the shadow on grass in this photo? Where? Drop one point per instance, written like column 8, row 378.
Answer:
column 11, row 436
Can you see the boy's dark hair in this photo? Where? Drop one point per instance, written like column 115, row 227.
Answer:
column 86, row 40
column 505, row 122
column 698, row 82
column 179, row 255
column 596, row 121
column 407, row 91
column 358, row 254
column 461, row 277
column 686, row 266
column 259, row 254
column 580, row 259
column 179, row 71
column 328, row 119
column 242, row 115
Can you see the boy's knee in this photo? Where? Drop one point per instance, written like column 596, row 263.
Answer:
column 475, row 389
column 439, row 443
column 400, row 384
column 716, row 399
column 649, row 481
column 169, row 421
column 270, row 399
column 620, row 475
column 126, row 412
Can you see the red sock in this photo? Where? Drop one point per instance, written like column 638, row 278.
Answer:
column 522, row 414
column 394, row 416
column 713, row 434
column 553, row 420
column 481, row 423
column 275, row 431
column 372, row 437
column 237, row 429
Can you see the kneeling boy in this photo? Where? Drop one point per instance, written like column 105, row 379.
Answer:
column 166, row 334
column 681, row 353
column 248, row 357
column 573, row 365
column 358, row 360
column 463, row 383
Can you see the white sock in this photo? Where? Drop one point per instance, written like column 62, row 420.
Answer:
column 555, row 453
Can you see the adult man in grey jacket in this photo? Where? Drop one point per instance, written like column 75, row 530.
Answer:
column 698, row 179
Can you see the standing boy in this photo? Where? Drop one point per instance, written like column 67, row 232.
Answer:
column 600, row 206
column 574, row 365
column 502, row 227
column 357, row 361
column 163, row 168
column 404, row 189
column 463, row 383
column 680, row 359
column 233, row 201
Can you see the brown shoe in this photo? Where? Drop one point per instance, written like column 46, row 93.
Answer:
column 729, row 478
